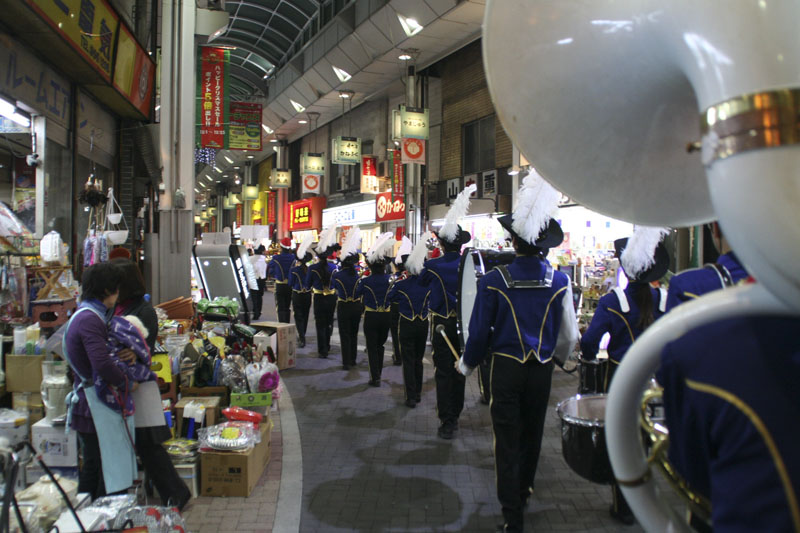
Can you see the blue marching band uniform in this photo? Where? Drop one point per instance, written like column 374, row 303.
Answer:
column 301, row 297
column 278, row 269
column 348, row 309
column 372, row 290
column 691, row 284
column 320, row 279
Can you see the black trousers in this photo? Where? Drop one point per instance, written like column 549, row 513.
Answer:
column 412, row 335
column 520, row 393
column 376, row 329
column 158, row 467
column 396, row 357
column 90, row 477
column 484, row 381
column 257, row 297
column 283, row 299
column 324, row 308
column 349, row 318
column 301, row 303
column 449, row 383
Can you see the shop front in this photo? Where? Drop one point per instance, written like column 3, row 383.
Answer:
column 361, row 214
column 481, row 223
column 305, row 218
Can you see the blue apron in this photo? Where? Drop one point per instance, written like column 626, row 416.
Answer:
column 117, row 455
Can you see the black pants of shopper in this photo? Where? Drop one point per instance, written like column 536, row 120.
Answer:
column 283, row 299
column 90, row 477
column 301, row 304
column 396, row 357
column 412, row 335
column 257, row 298
column 159, row 468
column 324, row 308
column 376, row 330
column 349, row 318
column 449, row 383
column 520, row 393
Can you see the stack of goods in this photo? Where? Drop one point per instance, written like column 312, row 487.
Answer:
column 235, row 435
column 179, row 308
column 220, row 308
column 182, row 451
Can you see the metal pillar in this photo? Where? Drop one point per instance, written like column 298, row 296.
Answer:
column 413, row 188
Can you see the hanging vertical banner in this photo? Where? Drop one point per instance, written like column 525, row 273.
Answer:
column 311, row 163
column 369, row 174
column 271, row 207
column 346, row 151
column 213, row 85
column 311, row 183
column 414, row 122
column 239, row 214
column 414, row 151
column 398, row 179
column 244, row 130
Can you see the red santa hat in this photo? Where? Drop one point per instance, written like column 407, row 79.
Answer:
column 286, row 242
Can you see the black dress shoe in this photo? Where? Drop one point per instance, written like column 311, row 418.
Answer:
column 301, row 343
column 445, row 431
column 323, row 355
column 411, row 403
column 418, row 399
column 345, row 367
column 398, row 362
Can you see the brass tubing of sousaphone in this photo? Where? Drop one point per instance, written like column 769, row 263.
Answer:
column 622, row 408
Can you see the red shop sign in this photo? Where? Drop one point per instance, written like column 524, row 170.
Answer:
column 386, row 209
column 368, row 167
column 300, row 215
column 398, row 181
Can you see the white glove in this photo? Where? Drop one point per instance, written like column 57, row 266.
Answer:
column 464, row 368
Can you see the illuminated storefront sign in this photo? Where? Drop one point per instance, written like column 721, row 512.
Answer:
column 414, row 122
column 387, row 210
column 311, row 163
column 346, row 151
column 350, row 215
column 281, row 178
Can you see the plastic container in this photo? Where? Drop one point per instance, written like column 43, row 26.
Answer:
column 55, row 387
column 20, row 339
column 175, row 345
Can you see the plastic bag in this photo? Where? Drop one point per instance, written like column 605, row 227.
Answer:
column 51, row 247
column 155, row 519
column 233, row 376
column 230, row 436
column 262, row 377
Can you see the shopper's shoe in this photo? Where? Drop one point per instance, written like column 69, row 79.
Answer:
column 411, row 403
column 445, row 431
column 624, row 516
column 323, row 355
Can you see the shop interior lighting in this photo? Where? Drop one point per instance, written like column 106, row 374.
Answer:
column 346, row 94
column 9, row 110
column 267, row 129
column 228, row 159
column 410, row 25
column 237, row 180
column 297, row 107
column 251, row 192
column 341, row 74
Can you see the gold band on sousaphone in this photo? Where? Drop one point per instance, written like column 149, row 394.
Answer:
column 754, row 121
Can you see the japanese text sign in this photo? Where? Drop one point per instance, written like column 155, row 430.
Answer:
column 387, row 209
column 213, row 84
column 346, row 151
column 244, row 132
column 414, row 122
column 311, row 163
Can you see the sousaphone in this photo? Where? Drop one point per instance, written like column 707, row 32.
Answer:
column 662, row 113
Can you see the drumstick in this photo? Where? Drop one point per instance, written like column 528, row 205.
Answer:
column 440, row 330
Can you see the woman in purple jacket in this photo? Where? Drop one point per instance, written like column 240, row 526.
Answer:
column 105, row 436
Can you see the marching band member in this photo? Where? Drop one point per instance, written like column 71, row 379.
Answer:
column 348, row 306
column 319, row 279
column 301, row 294
column 726, row 272
column 405, row 248
column 523, row 317
column 373, row 289
column 278, row 269
column 410, row 296
column 440, row 275
column 625, row 314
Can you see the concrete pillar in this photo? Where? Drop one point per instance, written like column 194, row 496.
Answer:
column 413, row 193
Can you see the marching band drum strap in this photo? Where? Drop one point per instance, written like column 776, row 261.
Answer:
column 725, row 278
column 512, row 283
column 623, row 299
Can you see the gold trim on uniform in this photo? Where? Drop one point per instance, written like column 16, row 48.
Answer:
column 325, row 292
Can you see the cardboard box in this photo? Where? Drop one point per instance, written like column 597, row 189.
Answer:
column 56, row 447
column 211, row 404
column 24, row 373
column 30, row 402
column 283, row 341
column 232, row 473
column 257, row 402
column 190, row 474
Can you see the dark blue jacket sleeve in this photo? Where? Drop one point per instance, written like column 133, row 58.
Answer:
column 601, row 324
column 484, row 315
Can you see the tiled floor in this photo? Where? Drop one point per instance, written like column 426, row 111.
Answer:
column 370, row 464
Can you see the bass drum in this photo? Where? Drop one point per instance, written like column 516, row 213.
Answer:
column 475, row 263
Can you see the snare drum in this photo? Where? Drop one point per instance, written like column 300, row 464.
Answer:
column 592, row 374
column 583, row 438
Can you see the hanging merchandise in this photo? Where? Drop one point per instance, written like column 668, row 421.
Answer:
column 51, row 248
column 111, row 227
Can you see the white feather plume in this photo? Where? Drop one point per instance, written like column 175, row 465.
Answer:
column 303, row 248
column 457, row 211
column 405, row 248
column 351, row 243
column 381, row 248
column 639, row 253
column 416, row 259
column 536, row 202
column 326, row 239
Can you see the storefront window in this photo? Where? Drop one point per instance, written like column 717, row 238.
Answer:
column 58, row 172
column 478, row 145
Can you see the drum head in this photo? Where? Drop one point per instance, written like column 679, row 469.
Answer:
column 469, row 270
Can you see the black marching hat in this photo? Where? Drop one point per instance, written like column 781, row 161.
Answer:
column 653, row 273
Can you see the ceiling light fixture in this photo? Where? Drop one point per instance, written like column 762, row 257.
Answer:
column 346, row 94
column 341, row 74
column 236, row 168
column 273, row 140
column 228, row 159
column 404, row 57
column 209, row 178
column 410, row 25
column 302, row 121
column 9, row 110
column 217, row 169
column 250, row 156
column 297, row 107
column 196, row 190
column 269, row 130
